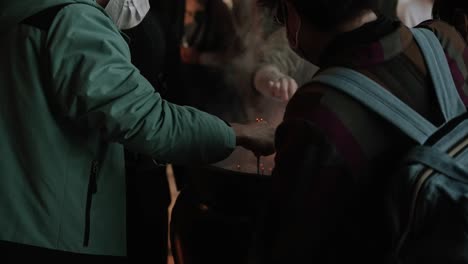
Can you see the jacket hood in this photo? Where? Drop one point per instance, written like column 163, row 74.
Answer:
column 14, row 11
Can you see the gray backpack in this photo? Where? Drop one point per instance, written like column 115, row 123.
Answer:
column 428, row 194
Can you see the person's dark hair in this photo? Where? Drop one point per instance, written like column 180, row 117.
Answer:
column 327, row 14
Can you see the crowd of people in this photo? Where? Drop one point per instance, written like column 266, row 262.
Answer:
column 99, row 96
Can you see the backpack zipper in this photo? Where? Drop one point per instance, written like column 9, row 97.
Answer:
column 422, row 179
column 92, row 189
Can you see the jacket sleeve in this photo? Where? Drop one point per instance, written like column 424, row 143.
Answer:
column 94, row 85
column 310, row 197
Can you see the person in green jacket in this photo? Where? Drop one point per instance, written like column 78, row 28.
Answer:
column 70, row 99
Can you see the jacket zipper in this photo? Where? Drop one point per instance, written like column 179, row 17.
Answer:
column 92, row 189
column 422, row 179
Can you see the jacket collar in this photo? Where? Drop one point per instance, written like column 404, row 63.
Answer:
column 369, row 45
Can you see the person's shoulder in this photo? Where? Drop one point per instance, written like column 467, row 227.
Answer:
column 436, row 24
column 331, row 109
column 308, row 95
column 307, row 101
column 82, row 12
column 319, row 109
column 453, row 43
column 447, row 34
column 84, row 20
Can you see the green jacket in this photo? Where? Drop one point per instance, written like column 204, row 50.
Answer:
column 69, row 100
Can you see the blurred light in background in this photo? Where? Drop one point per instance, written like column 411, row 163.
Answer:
column 228, row 3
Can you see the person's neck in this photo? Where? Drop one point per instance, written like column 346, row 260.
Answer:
column 355, row 23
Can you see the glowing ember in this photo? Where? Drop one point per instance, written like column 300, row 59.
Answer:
column 259, row 119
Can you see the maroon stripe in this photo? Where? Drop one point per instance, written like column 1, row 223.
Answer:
column 339, row 134
column 370, row 55
column 458, row 78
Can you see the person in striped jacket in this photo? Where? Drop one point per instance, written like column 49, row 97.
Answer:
column 333, row 154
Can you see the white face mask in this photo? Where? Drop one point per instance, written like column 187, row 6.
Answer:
column 127, row 14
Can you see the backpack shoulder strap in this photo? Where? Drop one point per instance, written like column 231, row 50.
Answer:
column 449, row 99
column 378, row 99
column 384, row 103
